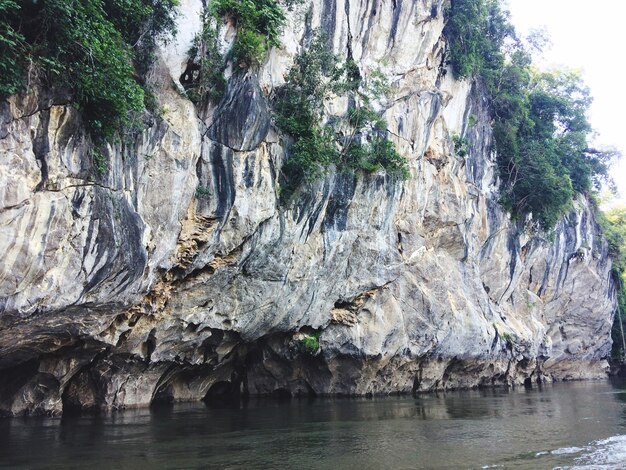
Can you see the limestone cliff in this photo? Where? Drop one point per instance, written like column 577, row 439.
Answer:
column 130, row 286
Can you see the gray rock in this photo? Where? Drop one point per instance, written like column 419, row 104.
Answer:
column 242, row 120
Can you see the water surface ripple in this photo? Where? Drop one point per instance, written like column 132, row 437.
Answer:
column 570, row 425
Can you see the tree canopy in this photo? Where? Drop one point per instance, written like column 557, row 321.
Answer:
column 541, row 130
column 613, row 222
column 95, row 49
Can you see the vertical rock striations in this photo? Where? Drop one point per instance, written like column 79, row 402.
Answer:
column 175, row 273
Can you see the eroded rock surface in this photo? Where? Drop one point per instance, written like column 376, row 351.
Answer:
column 177, row 274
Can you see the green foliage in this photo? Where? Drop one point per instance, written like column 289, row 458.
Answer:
column 312, row 342
column 613, row 223
column 541, row 133
column 352, row 77
column 249, row 48
column 85, row 46
column 202, row 191
column 296, row 114
column 385, row 154
column 259, row 24
column 99, row 162
column 538, row 184
column 376, row 153
column 461, row 145
column 207, row 79
column 476, row 31
column 311, row 155
column 11, row 44
column 143, row 23
column 361, row 145
column 377, row 84
column 298, row 111
column 540, row 124
column 298, row 104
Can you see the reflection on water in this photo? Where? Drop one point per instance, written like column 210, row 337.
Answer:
column 571, row 425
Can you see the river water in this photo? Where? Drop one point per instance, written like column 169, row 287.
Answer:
column 568, row 425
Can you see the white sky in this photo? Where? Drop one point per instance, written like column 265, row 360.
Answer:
column 589, row 36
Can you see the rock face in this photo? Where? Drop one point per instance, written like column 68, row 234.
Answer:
column 176, row 273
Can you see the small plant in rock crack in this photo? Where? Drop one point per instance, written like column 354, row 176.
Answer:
column 311, row 342
column 461, row 145
column 506, row 338
column 202, row 191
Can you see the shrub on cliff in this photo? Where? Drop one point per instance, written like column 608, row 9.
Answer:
column 204, row 78
column 357, row 141
column 94, row 49
column 259, row 23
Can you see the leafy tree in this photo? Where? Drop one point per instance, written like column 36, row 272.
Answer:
column 540, row 125
column 87, row 47
column 259, row 24
column 543, row 154
column 476, row 31
column 298, row 107
column 12, row 42
column 613, row 223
